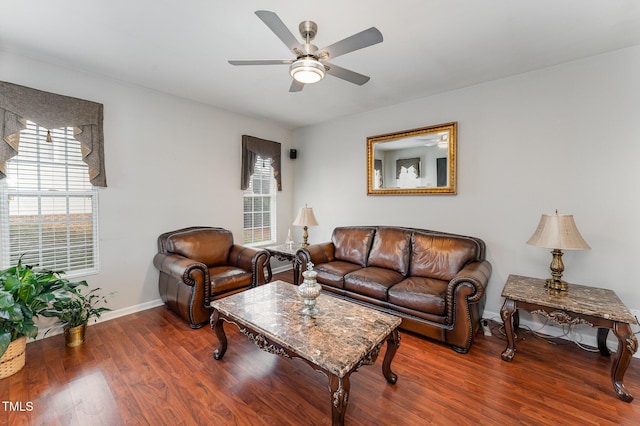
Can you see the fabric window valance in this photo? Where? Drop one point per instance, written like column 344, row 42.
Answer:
column 19, row 103
column 252, row 148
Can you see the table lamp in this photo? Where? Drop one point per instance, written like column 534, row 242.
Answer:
column 557, row 232
column 305, row 218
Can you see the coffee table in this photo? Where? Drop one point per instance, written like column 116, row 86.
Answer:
column 336, row 341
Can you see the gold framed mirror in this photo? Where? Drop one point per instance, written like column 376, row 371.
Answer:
column 413, row 162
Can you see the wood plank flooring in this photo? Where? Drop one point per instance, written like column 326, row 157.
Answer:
column 150, row 368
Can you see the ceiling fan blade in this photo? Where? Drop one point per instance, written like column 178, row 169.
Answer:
column 357, row 41
column 263, row 62
column 296, row 86
column 278, row 27
column 345, row 74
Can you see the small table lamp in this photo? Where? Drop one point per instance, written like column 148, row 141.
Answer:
column 305, row 218
column 557, row 232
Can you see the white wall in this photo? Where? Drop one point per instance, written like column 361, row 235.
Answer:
column 565, row 138
column 170, row 163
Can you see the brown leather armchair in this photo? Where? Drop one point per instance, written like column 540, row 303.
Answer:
column 200, row 264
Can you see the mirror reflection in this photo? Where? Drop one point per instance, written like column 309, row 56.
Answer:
column 418, row 161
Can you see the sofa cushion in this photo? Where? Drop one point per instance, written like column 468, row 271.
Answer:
column 440, row 256
column 390, row 249
column 209, row 246
column 332, row 273
column 228, row 278
column 352, row 244
column 420, row 294
column 372, row 281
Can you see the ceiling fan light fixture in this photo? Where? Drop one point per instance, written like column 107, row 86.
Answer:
column 307, row 71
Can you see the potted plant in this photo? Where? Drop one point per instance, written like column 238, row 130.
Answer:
column 74, row 308
column 24, row 293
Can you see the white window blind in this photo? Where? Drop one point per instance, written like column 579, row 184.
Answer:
column 49, row 207
column 260, row 204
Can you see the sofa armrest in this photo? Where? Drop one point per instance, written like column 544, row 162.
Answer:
column 316, row 253
column 476, row 276
column 181, row 268
column 250, row 259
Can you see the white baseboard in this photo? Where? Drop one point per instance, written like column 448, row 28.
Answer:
column 109, row 315
column 583, row 334
column 106, row 316
column 283, row 268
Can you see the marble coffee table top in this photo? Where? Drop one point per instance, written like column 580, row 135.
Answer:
column 336, row 339
column 582, row 299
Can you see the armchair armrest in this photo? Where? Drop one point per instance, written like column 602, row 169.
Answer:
column 476, row 276
column 181, row 268
column 250, row 259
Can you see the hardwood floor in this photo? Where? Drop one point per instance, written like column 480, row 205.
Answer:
column 150, row 368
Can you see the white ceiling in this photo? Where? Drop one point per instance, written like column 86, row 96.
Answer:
column 181, row 47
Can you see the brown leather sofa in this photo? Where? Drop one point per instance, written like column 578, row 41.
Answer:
column 434, row 281
column 200, row 264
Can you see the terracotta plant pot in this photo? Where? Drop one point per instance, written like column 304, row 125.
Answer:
column 74, row 336
column 14, row 358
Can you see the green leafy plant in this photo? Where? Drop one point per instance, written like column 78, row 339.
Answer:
column 24, row 294
column 73, row 307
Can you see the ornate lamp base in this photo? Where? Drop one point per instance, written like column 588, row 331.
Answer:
column 553, row 284
column 557, row 268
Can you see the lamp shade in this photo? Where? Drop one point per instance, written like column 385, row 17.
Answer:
column 558, row 231
column 305, row 217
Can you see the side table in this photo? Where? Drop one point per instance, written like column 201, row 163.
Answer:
column 596, row 307
column 285, row 252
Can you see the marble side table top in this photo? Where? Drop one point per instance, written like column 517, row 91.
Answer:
column 336, row 339
column 581, row 299
column 287, row 249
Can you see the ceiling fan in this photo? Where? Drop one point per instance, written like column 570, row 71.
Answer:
column 310, row 64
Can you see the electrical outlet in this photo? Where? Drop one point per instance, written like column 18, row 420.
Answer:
column 485, row 328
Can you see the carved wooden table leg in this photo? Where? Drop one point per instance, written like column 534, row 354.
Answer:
column 602, row 334
column 269, row 276
column 393, row 343
column 339, row 388
column 627, row 346
column 507, row 311
column 296, row 271
column 218, row 329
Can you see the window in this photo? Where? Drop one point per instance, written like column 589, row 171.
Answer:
column 48, row 207
column 260, row 204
